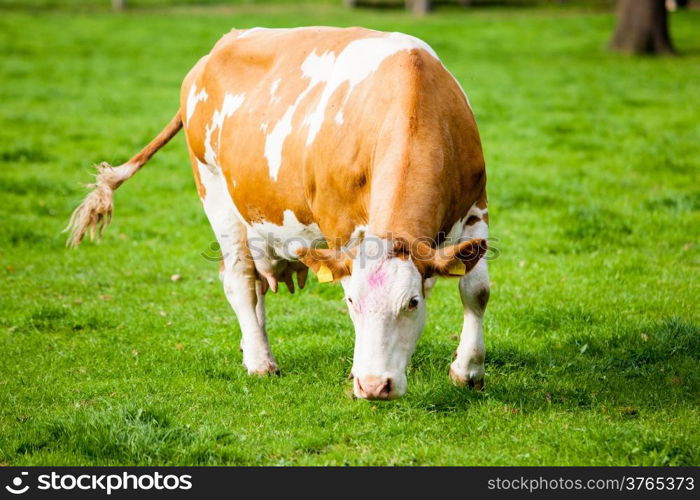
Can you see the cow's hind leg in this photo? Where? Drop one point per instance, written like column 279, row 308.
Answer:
column 238, row 273
column 467, row 369
column 243, row 293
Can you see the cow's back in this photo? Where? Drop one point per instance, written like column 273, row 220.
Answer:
column 313, row 124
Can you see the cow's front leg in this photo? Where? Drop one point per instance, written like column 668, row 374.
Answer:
column 244, row 293
column 467, row 369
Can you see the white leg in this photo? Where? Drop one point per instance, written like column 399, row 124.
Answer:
column 260, row 306
column 238, row 273
column 243, row 293
column 468, row 365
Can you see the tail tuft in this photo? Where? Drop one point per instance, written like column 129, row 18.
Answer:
column 95, row 212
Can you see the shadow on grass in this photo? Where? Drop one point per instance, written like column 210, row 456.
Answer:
column 118, row 435
column 624, row 374
column 130, row 436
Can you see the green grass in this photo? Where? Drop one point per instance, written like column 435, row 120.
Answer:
column 593, row 330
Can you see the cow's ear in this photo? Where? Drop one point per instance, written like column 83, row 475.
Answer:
column 456, row 260
column 329, row 265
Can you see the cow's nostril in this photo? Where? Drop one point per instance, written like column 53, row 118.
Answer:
column 386, row 390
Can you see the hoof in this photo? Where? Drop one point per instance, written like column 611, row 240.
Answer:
column 466, row 381
column 265, row 368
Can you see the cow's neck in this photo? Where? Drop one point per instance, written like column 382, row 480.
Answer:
column 406, row 204
column 415, row 183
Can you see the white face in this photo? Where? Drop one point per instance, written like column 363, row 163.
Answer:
column 385, row 299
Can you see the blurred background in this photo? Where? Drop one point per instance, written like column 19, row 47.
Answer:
column 642, row 24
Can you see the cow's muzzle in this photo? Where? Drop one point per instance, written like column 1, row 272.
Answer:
column 374, row 387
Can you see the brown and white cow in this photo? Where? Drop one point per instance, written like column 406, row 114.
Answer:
column 350, row 151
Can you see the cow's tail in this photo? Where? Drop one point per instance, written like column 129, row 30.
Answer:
column 95, row 212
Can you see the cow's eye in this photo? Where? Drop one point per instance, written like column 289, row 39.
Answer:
column 412, row 304
column 350, row 300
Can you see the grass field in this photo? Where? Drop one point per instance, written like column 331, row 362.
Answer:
column 593, row 329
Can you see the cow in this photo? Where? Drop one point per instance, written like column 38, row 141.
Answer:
column 349, row 151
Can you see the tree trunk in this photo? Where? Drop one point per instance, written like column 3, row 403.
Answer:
column 418, row 7
column 642, row 28
column 118, row 5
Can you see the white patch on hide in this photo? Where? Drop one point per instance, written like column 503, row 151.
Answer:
column 286, row 239
column 231, row 103
column 193, row 99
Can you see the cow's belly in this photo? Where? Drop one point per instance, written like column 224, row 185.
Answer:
column 275, row 241
column 272, row 246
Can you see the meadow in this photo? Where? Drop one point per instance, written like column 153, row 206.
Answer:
column 592, row 332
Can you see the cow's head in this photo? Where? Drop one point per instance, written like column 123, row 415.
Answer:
column 384, row 290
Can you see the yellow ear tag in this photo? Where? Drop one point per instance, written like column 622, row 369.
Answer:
column 324, row 274
column 457, row 268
